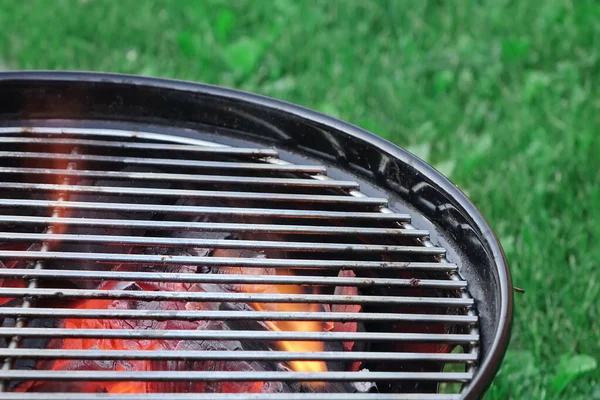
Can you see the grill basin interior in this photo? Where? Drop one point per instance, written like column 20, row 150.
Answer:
column 81, row 206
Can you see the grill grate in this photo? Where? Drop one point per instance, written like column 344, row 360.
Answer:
column 54, row 205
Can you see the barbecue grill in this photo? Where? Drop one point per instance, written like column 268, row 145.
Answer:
column 162, row 239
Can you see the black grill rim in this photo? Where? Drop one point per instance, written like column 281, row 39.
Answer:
column 21, row 81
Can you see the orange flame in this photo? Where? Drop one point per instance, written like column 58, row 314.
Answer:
column 290, row 326
column 297, row 326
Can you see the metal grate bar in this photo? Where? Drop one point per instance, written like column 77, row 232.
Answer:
column 216, row 226
column 112, row 133
column 142, row 146
column 220, row 243
column 196, row 178
column 224, row 335
column 232, row 297
column 160, row 315
column 80, row 274
column 223, row 261
column 231, row 376
column 90, row 354
column 227, row 165
column 197, row 194
column 229, row 396
column 222, row 211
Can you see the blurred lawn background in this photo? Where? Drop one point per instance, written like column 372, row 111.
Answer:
column 501, row 96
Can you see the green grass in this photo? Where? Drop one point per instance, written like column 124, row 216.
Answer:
column 503, row 96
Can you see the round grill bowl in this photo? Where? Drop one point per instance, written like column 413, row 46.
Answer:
column 233, row 117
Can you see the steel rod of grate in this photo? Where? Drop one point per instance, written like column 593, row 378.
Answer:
column 231, row 376
column 220, row 243
column 215, row 226
column 198, row 194
column 141, row 146
column 113, row 133
column 227, row 278
column 224, row 261
column 229, row 396
column 196, row 178
column 165, row 315
column 231, row 297
column 220, row 335
column 188, row 355
column 226, row 165
column 33, row 282
column 199, row 210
